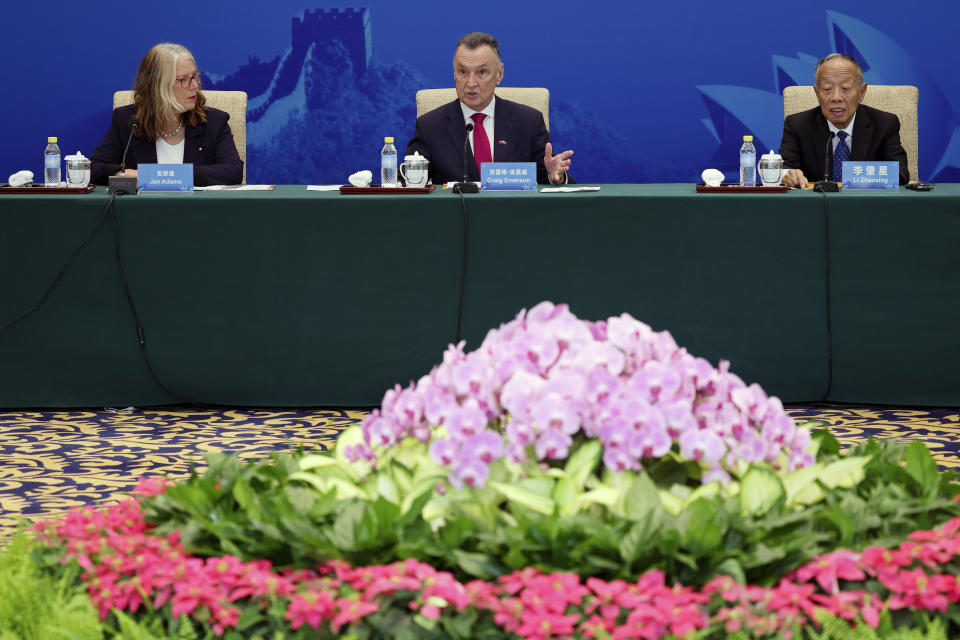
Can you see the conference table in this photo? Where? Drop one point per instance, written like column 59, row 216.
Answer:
column 301, row 298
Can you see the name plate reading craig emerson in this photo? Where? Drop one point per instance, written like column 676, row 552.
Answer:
column 165, row 178
column 508, row 176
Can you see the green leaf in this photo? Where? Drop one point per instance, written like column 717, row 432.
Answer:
column 387, row 488
column 842, row 522
column 582, row 463
column 732, row 568
column 476, row 564
column 801, row 485
column 703, row 526
column 525, row 498
column 671, row 502
column 760, row 491
column 642, row 501
column 845, row 472
column 921, row 466
column 308, row 463
column 348, row 518
column 565, row 494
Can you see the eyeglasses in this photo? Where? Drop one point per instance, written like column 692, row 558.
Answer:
column 186, row 80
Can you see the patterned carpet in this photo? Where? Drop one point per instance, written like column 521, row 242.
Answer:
column 53, row 460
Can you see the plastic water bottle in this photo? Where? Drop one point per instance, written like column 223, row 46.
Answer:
column 748, row 163
column 51, row 163
column 388, row 164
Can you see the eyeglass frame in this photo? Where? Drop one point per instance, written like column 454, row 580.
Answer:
column 185, row 81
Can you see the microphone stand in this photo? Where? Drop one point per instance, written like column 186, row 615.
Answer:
column 464, row 186
column 827, row 185
column 121, row 183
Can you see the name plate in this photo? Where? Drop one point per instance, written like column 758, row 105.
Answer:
column 165, row 178
column 871, row 175
column 508, row 176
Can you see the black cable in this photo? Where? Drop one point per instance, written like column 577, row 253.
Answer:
column 141, row 337
column 63, row 269
column 463, row 273
column 826, row 242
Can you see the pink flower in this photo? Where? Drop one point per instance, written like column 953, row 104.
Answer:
column 553, row 444
column 349, row 611
column 829, row 567
column 310, row 608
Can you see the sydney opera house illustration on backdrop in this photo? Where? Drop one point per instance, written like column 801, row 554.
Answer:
column 328, row 92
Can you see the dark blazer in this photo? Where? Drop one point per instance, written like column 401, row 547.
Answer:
column 519, row 135
column 876, row 136
column 209, row 146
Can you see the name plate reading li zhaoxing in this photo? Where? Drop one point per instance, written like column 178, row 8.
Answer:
column 165, row 178
column 871, row 175
column 508, row 176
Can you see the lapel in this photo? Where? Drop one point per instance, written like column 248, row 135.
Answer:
column 193, row 144
column 456, row 131
column 862, row 135
column 145, row 151
column 502, row 128
column 821, row 133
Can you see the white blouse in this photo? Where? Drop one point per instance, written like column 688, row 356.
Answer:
column 169, row 153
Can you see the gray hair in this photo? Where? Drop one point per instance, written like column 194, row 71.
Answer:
column 477, row 39
column 838, row 56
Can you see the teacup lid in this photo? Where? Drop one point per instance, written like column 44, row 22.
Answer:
column 78, row 157
column 771, row 155
column 416, row 157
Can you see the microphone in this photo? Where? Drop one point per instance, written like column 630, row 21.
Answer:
column 465, row 186
column 827, row 185
column 125, row 184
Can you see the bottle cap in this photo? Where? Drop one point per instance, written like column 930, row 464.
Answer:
column 52, row 139
column 388, row 139
column 748, row 138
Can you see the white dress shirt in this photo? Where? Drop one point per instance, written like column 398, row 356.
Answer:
column 848, row 129
column 487, row 122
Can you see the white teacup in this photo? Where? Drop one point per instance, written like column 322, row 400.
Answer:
column 770, row 169
column 414, row 170
column 78, row 170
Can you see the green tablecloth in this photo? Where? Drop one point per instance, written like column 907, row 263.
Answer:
column 297, row 298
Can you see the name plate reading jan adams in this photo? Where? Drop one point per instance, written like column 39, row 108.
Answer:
column 871, row 175
column 165, row 178
column 508, row 176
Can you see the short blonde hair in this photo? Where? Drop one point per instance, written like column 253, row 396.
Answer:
column 153, row 90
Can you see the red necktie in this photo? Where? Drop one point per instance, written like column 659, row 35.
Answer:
column 481, row 144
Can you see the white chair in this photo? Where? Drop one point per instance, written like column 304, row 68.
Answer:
column 899, row 100
column 233, row 102
column 536, row 97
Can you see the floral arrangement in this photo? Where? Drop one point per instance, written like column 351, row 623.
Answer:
column 565, row 479
column 129, row 570
column 547, row 378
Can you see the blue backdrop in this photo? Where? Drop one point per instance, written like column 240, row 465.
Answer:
column 643, row 92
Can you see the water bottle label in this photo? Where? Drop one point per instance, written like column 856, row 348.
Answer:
column 748, row 160
column 51, row 162
column 388, row 162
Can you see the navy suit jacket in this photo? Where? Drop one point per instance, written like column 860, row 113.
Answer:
column 876, row 137
column 519, row 135
column 209, row 146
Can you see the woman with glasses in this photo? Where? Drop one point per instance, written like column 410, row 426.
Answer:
column 170, row 124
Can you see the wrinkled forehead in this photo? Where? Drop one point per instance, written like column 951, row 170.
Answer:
column 472, row 58
column 186, row 66
column 838, row 72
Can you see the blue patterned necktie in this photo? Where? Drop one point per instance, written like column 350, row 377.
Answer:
column 840, row 154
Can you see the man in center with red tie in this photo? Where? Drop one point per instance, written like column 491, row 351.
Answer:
column 496, row 130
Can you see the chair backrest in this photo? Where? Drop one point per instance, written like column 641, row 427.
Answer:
column 536, row 97
column 233, row 102
column 899, row 100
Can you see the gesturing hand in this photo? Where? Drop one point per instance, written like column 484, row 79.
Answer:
column 557, row 165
